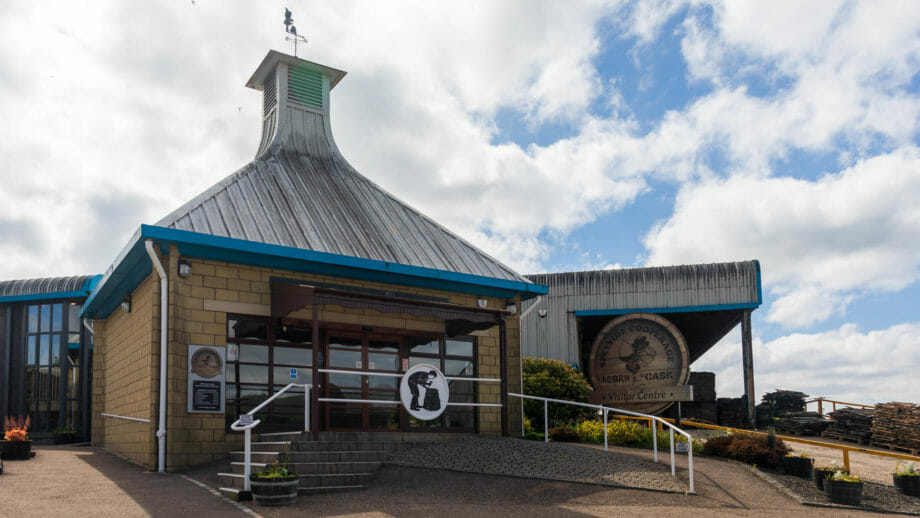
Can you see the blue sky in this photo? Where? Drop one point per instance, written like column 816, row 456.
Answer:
column 556, row 136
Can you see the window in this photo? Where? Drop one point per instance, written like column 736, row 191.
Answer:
column 455, row 357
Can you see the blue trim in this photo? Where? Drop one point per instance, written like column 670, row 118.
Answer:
column 759, row 290
column 45, row 296
column 685, row 309
column 135, row 265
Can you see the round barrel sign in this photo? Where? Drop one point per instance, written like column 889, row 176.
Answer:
column 639, row 362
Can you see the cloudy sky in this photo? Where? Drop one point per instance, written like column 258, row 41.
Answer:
column 557, row 136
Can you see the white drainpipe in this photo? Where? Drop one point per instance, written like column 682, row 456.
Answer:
column 164, row 307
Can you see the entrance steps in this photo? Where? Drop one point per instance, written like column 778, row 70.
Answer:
column 335, row 461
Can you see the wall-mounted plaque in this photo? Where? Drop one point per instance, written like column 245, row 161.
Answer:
column 206, row 379
column 424, row 392
column 639, row 362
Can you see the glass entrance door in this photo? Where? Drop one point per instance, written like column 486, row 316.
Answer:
column 362, row 352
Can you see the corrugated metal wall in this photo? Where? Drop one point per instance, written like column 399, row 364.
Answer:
column 691, row 286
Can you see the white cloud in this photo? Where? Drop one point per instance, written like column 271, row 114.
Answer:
column 845, row 364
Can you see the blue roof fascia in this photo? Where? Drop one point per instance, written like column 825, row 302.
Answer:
column 684, row 309
column 207, row 246
column 759, row 289
column 78, row 294
column 134, row 265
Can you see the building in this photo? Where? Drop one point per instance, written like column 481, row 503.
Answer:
column 295, row 268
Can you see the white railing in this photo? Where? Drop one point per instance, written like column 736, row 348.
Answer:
column 246, row 423
column 126, row 418
column 400, row 375
column 605, row 410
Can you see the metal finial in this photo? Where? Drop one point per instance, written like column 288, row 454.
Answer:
column 292, row 30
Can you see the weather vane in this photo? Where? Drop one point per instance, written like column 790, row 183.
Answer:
column 291, row 30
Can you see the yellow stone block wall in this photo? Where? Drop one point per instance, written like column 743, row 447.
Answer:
column 198, row 308
column 125, row 376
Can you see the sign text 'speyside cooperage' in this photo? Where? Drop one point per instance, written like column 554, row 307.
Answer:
column 639, row 362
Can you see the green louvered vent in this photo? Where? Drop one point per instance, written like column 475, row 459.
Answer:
column 305, row 86
column 269, row 94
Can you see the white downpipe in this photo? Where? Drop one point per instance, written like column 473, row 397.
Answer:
column 164, row 308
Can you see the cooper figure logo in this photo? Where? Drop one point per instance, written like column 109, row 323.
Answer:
column 639, row 355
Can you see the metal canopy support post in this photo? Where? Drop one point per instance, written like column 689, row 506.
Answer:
column 747, row 358
column 503, row 358
column 314, row 404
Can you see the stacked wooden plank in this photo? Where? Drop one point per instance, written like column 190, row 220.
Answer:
column 732, row 412
column 803, row 423
column 851, row 424
column 784, row 402
column 897, row 425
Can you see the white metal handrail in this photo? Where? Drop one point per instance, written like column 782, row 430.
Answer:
column 605, row 410
column 399, row 375
column 237, row 426
column 137, row 419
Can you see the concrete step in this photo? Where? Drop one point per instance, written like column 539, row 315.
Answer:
column 334, row 480
column 332, row 468
column 230, row 480
column 313, row 456
column 271, row 445
column 348, row 446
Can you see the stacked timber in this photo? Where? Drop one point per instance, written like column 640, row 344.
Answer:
column 851, row 424
column 802, row 423
column 732, row 412
column 783, row 402
column 897, row 425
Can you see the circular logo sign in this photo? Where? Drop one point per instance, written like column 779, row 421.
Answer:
column 206, row 363
column 424, row 392
column 639, row 362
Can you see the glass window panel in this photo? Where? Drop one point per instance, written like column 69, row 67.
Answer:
column 45, row 320
column 459, row 347
column 254, row 374
column 383, row 395
column 418, row 360
column 345, row 417
column 347, row 359
column 73, row 382
column 32, row 350
column 459, row 368
column 55, row 382
column 428, row 346
column 383, row 362
column 230, row 373
column 462, row 391
column 282, row 376
column 55, row 349
column 345, row 343
column 296, row 356
column 57, row 318
column 30, row 382
column 231, row 392
column 383, row 418
column 233, row 353
column 344, row 380
column 73, row 414
column 33, row 319
column 253, row 353
column 458, row 417
column 44, row 351
column 252, row 328
column 296, row 334
column 42, row 388
column 345, row 392
column 383, row 382
column 251, row 397
column 73, row 317
column 382, row 345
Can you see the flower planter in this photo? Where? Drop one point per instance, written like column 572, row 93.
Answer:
column 843, row 492
column 16, row 450
column 907, row 484
column 274, row 491
column 798, row 466
column 819, row 475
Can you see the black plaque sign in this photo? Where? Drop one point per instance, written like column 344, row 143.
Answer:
column 206, row 396
column 639, row 362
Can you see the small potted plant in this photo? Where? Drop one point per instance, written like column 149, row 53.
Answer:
column 822, row 473
column 16, row 444
column 274, row 485
column 64, row 435
column 907, row 479
column 843, row 488
column 798, row 465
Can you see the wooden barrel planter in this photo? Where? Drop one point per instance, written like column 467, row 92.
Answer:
column 907, row 484
column 798, row 466
column 274, row 491
column 843, row 492
column 819, row 475
column 16, row 450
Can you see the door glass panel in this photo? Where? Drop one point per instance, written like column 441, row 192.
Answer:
column 43, row 349
column 45, row 318
column 296, row 356
column 253, row 353
column 382, row 362
column 458, row 417
column 32, row 350
column 282, row 376
column 346, row 359
column 459, row 348
column 346, row 417
column 56, row 318
column 384, row 382
column 55, row 349
column 254, row 374
column 419, row 360
column 383, row 395
column 458, row 368
column 345, row 343
column 33, row 319
column 427, row 347
column 345, row 380
column 383, row 418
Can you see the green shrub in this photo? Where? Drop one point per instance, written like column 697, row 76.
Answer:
column 534, row 436
column 563, row 434
column 556, row 380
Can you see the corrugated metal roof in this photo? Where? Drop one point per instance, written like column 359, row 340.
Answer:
column 697, row 287
column 301, row 192
column 51, row 285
